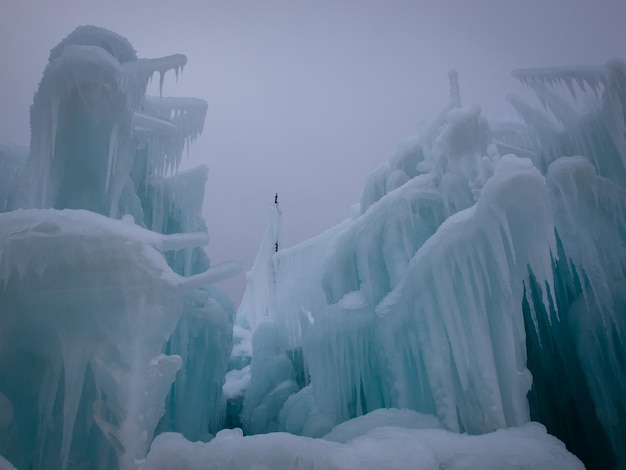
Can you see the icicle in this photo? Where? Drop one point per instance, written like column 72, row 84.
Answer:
column 113, row 142
column 161, row 79
column 55, row 101
column 75, row 365
column 570, row 87
column 211, row 276
column 48, row 392
column 455, row 93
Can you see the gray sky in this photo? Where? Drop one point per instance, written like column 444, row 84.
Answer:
column 306, row 98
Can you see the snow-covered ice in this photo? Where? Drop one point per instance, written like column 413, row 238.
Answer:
column 477, row 289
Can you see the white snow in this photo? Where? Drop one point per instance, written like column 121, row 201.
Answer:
column 526, row 447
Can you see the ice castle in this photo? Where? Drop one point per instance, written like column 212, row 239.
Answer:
column 470, row 313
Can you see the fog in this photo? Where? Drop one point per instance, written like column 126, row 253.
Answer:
column 307, row 98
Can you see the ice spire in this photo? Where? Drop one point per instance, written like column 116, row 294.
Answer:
column 276, row 204
column 259, row 298
column 455, row 92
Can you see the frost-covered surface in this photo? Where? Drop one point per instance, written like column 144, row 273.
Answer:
column 525, row 447
column 482, row 255
column 109, row 332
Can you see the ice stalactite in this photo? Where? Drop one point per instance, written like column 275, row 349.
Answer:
column 543, row 125
column 591, row 76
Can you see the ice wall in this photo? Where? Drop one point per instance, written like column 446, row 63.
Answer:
column 482, row 278
column 109, row 329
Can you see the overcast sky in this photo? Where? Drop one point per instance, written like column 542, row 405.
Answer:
column 306, row 98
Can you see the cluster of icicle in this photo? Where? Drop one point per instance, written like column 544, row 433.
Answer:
column 104, row 287
column 472, row 243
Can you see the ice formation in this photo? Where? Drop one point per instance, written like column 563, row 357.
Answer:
column 480, row 280
column 479, row 285
column 110, row 329
column 390, row 447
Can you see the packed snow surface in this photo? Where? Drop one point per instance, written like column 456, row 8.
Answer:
column 389, row 447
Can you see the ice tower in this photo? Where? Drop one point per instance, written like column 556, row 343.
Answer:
column 108, row 325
